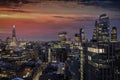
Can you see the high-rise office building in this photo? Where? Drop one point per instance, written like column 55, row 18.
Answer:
column 77, row 37
column 62, row 36
column 95, row 32
column 115, row 50
column 101, row 30
column 102, row 55
column 82, row 35
column 114, row 34
column 101, row 61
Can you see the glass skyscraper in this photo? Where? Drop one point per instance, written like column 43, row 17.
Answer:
column 101, row 30
column 102, row 56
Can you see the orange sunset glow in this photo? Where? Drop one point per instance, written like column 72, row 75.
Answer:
column 42, row 21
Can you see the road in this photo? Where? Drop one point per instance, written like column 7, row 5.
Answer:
column 74, row 68
column 40, row 72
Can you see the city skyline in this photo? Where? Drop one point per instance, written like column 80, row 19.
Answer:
column 43, row 21
column 59, row 39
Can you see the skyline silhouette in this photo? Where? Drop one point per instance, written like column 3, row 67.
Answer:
column 42, row 21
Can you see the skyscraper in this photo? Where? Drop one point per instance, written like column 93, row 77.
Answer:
column 101, row 30
column 95, row 32
column 101, row 54
column 114, row 34
column 101, row 61
column 77, row 37
column 13, row 31
column 12, row 42
column 14, row 34
column 82, row 35
column 62, row 36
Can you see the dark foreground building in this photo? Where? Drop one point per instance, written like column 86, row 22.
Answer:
column 103, row 54
column 103, row 61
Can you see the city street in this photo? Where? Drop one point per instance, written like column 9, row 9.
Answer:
column 74, row 68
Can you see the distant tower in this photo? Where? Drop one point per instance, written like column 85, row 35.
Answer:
column 95, row 32
column 13, row 31
column 49, row 55
column 14, row 34
column 77, row 37
column 62, row 36
column 82, row 35
column 103, row 28
column 114, row 34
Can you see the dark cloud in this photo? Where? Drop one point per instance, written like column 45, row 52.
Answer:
column 65, row 17
column 76, row 18
column 13, row 1
column 85, row 19
column 19, row 11
column 58, row 16
column 109, row 4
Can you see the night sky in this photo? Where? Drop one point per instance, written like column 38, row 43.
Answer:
column 43, row 20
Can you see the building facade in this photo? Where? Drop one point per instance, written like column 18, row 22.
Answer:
column 114, row 34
